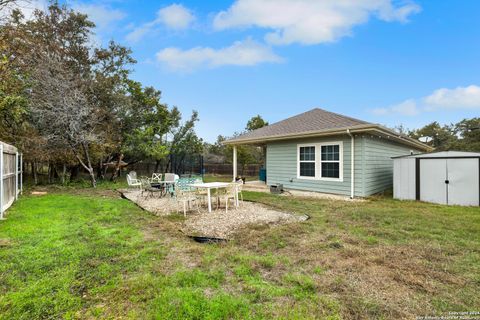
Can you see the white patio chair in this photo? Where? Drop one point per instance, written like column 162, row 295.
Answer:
column 200, row 193
column 186, row 198
column 133, row 174
column 169, row 177
column 133, row 182
column 169, row 180
column 156, row 177
column 239, row 193
column 230, row 194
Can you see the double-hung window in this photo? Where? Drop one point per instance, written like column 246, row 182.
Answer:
column 307, row 163
column 321, row 161
column 330, row 161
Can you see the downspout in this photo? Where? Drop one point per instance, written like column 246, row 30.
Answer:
column 352, row 165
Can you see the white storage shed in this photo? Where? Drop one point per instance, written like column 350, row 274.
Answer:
column 446, row 177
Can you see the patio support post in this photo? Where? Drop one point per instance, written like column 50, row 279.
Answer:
column 234, row 163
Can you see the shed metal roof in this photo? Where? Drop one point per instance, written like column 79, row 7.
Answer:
column 443, row 154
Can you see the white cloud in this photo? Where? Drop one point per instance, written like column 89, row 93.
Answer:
column 310, row 21
column 175, row 17
column 406, row 108
column 241, row 53
column 103, row 16
column 459, row 98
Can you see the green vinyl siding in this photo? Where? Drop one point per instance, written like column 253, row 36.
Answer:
column 373, row 165
column 282, row 166
column 378, row 171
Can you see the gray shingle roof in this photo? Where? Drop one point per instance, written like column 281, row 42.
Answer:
column 314, row 120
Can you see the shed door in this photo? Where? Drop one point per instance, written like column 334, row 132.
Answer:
column 433, row 174
column 463, row 187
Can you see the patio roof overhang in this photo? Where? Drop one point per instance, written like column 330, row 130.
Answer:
column 374, row 129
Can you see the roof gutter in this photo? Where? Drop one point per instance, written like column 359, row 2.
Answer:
column 352, row 165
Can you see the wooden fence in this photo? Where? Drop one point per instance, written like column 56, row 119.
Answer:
column 10, row 176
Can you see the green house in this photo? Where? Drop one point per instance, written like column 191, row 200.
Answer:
column 327, row 152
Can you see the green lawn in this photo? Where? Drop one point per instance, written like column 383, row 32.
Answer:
column 77, row 253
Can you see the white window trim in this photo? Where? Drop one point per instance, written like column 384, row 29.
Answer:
column 298, row 161
column 318, row 161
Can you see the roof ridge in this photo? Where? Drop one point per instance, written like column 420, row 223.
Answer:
column 311, row 110
column 342, row 115
column 292, row 117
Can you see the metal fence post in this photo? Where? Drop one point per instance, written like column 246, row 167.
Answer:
column 21, row 173
column 1, row 182
column 16, row 175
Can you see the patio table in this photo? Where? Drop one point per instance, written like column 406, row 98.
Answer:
column 208, row 186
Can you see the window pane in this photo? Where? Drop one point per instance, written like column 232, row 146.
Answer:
column 331, row 153
column 307, row 153
column 336, row 152
column 307, row 169
column 330, row 170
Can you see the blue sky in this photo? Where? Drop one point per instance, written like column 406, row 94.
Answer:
column 388, row 62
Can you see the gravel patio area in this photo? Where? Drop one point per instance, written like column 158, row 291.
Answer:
column 218, row 223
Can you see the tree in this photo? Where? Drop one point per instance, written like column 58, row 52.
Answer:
column 146, row 125
column 468, row 133
column 256, row 122
column 66, row 102
column 435, row 135
column 462, row 136
column 62, row 112
column 246, row 154
column 50, row 56
column 184, row 141
column 14, row 82
column 6, row 3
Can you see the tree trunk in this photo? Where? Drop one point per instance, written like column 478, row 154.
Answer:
column 55, row 174
column 34, row 172
column 74, row 172
column 64, row 174
column 89, row 165
column 49, row 173
column 117, row 168
column 105, row 167
column 100, row 170
column 92, row 177
column 167, row 165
